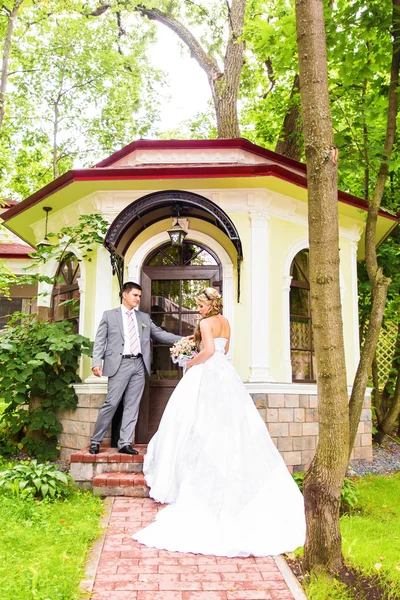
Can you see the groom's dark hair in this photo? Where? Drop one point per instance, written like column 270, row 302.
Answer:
column 130, row 285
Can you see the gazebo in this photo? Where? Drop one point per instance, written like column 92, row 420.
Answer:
column 244, row 212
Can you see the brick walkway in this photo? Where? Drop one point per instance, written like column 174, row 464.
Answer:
column 127, row 570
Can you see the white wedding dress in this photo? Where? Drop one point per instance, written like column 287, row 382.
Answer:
column 213, row 461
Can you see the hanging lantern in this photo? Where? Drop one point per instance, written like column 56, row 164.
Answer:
column 45, row 242
column 177, row 235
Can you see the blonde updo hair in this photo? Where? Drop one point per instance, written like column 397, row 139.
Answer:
column 212, row 296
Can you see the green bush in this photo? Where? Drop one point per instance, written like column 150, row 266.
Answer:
column 348, row 494
column 38, row 363
column 29, row 478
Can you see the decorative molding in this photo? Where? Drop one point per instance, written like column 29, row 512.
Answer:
column 98, row 385
column 259, row 374
column 290, row 388
column 92, row 385
column 189, row 157
column 81, row 284
column 259, row 218
column 287, row 280
column 164, row 200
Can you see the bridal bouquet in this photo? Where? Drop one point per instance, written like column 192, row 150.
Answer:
column 183, row 351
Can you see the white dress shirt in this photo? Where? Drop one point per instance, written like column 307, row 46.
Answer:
column 125, row 317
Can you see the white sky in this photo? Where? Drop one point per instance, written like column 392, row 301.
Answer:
column 188, row 85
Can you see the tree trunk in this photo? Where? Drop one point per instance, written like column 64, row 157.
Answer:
column 224, row 85
column 324, row 479
column 6, row 57
column 379, row 283
column 290, row 141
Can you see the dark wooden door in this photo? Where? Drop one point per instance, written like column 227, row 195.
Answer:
column 169, row 294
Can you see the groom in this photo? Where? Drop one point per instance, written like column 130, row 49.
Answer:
column 123, row 343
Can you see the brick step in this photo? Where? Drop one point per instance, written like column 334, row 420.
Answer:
column 85, row 467
column 120, row 484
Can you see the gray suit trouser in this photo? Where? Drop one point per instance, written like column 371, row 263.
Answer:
column 129, row 382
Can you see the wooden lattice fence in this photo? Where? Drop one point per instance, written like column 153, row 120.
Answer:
column 385, row 350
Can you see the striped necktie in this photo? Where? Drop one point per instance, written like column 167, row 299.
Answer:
column 133, row 334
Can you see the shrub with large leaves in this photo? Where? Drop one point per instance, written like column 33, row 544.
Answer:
column 34, row 479
column 38, row 363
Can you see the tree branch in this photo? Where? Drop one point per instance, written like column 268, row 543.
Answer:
column 6, row 57
column 206, row 62
column 97, row 12
column 271, row 77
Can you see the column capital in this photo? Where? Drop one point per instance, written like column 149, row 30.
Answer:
column 259, row 218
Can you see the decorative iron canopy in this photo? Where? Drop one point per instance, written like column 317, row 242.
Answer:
column 160, row 205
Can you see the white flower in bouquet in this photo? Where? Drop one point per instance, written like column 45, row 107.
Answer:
column 183, row 351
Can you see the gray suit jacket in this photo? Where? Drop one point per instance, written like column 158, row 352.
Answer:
column 109, row 340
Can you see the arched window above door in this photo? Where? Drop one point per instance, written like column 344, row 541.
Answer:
column 172, row 278
column 65, row 296
column 187, row 254
column 301, row 341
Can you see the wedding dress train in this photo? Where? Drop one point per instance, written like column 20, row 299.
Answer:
column 213, row 462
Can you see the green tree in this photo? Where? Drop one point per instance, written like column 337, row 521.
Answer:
column 78, row 84
column 338, row 423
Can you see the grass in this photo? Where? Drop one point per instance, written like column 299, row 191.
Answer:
column 43, row 545
column 371, row 540
column 371, row 534
column 326, row 588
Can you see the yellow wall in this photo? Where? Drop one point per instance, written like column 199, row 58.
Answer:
column 284, row 236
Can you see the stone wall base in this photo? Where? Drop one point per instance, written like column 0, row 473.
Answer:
column 292, row 421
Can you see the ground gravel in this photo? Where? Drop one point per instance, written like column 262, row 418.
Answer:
column 386, row 459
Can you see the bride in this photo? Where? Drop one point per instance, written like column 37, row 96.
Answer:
column 213, row 462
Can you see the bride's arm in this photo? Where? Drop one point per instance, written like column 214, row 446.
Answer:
column 226, row 350
column 208, row 345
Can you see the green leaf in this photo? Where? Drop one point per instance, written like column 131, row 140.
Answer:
column 62, row 477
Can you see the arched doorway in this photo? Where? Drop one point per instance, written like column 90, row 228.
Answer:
column 187, row 273
column 171, row 278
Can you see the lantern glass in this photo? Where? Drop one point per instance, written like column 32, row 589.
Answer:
column 177, row 235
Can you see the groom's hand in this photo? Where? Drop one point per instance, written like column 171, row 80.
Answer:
column 98, row 371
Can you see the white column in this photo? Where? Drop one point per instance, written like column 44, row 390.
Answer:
column 260, row 290
column 103, row 287
column 102, row 300
column 45, row 289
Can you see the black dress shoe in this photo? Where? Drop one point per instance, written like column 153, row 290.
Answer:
column 128, row 450
column 94, row 448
